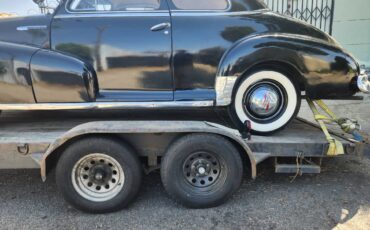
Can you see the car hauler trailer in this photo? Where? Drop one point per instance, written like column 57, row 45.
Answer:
column 99, row 162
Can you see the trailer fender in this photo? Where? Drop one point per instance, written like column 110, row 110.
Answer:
column 122, row 127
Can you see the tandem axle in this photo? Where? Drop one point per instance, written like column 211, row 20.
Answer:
column 99, row 163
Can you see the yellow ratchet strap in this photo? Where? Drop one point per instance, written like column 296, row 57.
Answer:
column 335, row 147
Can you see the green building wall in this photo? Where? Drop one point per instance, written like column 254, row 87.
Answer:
column 351, row 27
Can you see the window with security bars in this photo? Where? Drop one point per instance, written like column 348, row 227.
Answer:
column 319, row 13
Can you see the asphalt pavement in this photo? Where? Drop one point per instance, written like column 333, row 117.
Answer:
column 336, row 198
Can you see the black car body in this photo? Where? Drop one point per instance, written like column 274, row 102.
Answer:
column 163, row 53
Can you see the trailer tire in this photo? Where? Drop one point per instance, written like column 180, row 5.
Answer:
column 201, row 170
column 99, row 174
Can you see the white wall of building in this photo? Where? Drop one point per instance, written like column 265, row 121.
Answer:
column 351, row 27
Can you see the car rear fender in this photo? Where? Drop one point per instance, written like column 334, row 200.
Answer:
column 325, row 69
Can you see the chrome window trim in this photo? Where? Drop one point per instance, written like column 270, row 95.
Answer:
column 226, row 13
column 112, row 15
column 156, row 13
column 75, row 3
column 224, row 10
column 161, row 13
column 107, row 105
column 76, row 14
column 109, row 12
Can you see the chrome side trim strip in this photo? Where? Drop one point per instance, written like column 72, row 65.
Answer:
column 106, row 105
column 27, row 28
column 224, row 89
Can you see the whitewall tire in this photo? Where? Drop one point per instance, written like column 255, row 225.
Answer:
column 268, row 99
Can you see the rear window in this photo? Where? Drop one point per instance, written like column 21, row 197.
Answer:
column 201, row 4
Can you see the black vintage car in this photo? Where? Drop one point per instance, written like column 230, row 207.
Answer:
column 104, row 54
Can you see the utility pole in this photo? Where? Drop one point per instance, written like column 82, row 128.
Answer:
column 42, row 5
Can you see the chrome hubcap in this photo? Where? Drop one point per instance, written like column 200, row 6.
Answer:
column 264, row 100
column 201, row 169
column 98, row 177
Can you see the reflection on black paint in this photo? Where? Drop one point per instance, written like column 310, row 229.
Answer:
column 234, row 34
column 125, row 53
column 3, row 69
column 77, row 50
column 38, row 38
column 340, row 64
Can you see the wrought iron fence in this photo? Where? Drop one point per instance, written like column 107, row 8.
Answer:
column 319, row 13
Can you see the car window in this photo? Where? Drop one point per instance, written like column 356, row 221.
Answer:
column 13, row 8
column 201, row 4
column 113, row 5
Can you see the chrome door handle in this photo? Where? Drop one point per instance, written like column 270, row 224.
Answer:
column 161, row 26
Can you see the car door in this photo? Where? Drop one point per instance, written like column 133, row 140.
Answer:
column 128, row 42
column 199, row 32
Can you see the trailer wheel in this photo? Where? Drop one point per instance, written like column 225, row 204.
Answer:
column 99, row 175
column 201, row 170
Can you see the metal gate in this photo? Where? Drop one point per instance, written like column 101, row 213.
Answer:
column 319, row 13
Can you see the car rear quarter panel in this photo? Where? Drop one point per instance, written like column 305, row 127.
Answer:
column 212, row 44
column 200, row 40
column 326, row 71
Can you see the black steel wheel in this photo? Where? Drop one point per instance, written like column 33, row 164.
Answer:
column 99, row 174
column 201, row 170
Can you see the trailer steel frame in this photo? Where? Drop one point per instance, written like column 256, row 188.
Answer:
column 36, row 145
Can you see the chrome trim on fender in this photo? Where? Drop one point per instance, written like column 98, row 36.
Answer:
column 363, row 82
column 106, row 105
column 224, row 90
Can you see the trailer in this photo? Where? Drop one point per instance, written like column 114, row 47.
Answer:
column 99, row 159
